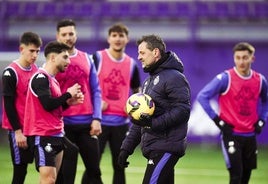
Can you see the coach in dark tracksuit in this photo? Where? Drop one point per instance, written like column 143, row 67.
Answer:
column 163, row 135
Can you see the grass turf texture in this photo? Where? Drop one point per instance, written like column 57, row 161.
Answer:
column 202, row 164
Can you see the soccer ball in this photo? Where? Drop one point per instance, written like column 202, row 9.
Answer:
column 138, row 104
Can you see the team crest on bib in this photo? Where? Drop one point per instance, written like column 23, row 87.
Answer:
column 156, row 80
column 48, row 148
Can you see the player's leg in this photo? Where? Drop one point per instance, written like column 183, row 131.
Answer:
column 233, row 158
column 160, row 168
column 67, row 172
column 246, row 176
column 48, row 157
column 90, row 154
column 20, row 159
column 249, row 158
column 48, row 174
column 118, row 135
column 19, row 173
column 103, row 139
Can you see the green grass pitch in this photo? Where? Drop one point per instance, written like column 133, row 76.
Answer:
column 202, row 164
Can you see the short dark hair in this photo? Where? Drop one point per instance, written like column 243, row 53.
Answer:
column 55, row 47
column 64, row 23
column 241, row 46
column 119, row 28
column 28, row 38
column 153, row 41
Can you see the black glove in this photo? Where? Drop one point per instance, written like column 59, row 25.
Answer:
column 122, row 159
column 144, row 121
column 225, row 128
column 258, row 126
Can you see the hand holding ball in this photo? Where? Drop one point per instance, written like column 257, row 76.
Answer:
column 139, row 104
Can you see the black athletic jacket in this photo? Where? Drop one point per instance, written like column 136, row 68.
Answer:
column 170, row 92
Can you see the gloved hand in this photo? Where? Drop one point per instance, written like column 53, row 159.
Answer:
column 144, row 121
column 225, row 128
column 122, row 159
column 258, row 126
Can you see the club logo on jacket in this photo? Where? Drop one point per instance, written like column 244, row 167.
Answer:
column 150, row 162
column 156, row 80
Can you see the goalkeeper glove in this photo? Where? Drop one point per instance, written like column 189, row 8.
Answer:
column 225, row 128
column 145, row 120
column 258, row 126
column 122, row 159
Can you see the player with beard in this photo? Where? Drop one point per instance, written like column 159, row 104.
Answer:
column 43, row 111
column 119, row 76
column 81, row 122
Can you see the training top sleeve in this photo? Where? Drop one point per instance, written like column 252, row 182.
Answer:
column 95, row 91
column 9, row 81
column 214, row 88
column 264, row 99
column 41, row 87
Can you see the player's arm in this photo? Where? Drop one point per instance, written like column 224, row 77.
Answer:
column 40, row 86
column 95, row 92
column 132, row 139
column 264, row 100
column 96, row 60
column 9, row 94
column 212, row 89
column 263, row 108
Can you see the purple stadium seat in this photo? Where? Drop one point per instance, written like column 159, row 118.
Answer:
column 29, row 9
column 66, row 9
column 106, row 9
column 86, row 10
column 161, row 9
column 261, row 9
column 142, row 9
column 204, row 9
column 124, row 9
column 12, row 9
column 48, row 9
column 222, row 9
column 241, row 10
column 183, row 9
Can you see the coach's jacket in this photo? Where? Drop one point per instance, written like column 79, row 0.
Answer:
column 170, row 92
